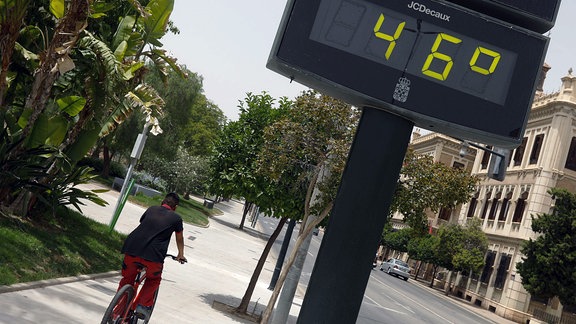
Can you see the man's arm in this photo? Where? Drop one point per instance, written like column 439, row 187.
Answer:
column 180, row 245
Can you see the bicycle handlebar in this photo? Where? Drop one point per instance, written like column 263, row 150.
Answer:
column 175, row 258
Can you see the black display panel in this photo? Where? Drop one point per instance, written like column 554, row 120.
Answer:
column 536, row 15
column 442, row 66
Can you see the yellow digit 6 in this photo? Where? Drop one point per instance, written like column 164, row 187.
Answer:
column 437, row 55
column 482, row 50
column 391, row 38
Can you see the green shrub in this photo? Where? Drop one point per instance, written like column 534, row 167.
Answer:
column 94, row 163
column 116, row 169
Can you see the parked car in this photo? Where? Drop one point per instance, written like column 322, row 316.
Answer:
column 397, row 268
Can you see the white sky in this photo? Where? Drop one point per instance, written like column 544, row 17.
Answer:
column 228, row 42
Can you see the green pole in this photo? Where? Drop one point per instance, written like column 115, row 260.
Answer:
column 121, row 205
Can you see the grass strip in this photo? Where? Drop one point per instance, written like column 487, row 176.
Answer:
column 69, row 245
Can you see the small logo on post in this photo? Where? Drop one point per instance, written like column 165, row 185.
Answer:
column 402, row 90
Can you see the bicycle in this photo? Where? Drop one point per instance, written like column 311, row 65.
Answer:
column 121, row 308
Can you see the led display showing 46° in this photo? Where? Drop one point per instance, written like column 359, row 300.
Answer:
column 419, row 48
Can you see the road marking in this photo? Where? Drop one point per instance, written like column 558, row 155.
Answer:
column 386, row 308
column 414, row 301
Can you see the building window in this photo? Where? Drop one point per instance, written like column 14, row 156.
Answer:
column 486, row 204
column 458, row 165
column 538, row 140
column 494, row 206
column 487, row 271
column 519, row 153
column 571, row 158
column 472, row 206
column 504, row 207
column 445, row 213
column 520, row 206
column 485, row 158
column 502, row 271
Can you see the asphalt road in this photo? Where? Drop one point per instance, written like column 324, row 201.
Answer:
column 387, row 299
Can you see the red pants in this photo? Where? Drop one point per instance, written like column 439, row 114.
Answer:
column 130, row 268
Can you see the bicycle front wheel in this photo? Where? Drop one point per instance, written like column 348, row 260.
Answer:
column 119, row 305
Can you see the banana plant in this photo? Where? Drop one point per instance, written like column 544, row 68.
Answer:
column 113, row 70
column 135, row 39
column 80, row 88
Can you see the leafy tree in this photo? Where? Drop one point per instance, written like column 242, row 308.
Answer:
column 428, row 185
column 473, row 247
column 234, row 161
column 425, row 250
column 547, row 268
column 187, row 174
column 309, row 148
column 194, row 122
column 461, row 247
column 234, row 171
column 398, row 240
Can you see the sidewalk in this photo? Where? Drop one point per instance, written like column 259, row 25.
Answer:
column 221, row 260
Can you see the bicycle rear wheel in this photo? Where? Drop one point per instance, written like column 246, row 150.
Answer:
column 118, row 306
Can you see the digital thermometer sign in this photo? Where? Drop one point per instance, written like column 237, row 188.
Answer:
column 445, row 67
column 417, row 47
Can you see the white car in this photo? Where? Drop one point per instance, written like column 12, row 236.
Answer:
column 397, row 268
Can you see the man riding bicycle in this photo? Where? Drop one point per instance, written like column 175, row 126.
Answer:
column 147, row 246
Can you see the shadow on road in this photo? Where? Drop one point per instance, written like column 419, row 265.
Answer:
column 248, row 230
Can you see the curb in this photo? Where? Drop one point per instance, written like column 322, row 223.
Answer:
column 56, row 281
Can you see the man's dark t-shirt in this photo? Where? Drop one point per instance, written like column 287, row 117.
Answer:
column 151, row 238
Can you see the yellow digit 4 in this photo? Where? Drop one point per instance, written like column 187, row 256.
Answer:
column 391, row 38
column 434, row 54
column 482, row 50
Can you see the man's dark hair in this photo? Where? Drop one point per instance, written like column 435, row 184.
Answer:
column 171, row 199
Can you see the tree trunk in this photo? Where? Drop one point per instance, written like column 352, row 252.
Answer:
column 435, row 267
column 301, row 237
column 64, row 40
column 106, row 161
column 291, row 284
column 242, row 308
column 9, row 32
column 418, row 270
column 247, row 206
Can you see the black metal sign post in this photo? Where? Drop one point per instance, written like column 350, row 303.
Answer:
column 345, row 258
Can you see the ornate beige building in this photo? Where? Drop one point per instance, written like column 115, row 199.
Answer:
column 545, row 159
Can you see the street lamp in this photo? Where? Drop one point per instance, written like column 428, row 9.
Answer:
column 134, row 157
column 498, row 164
